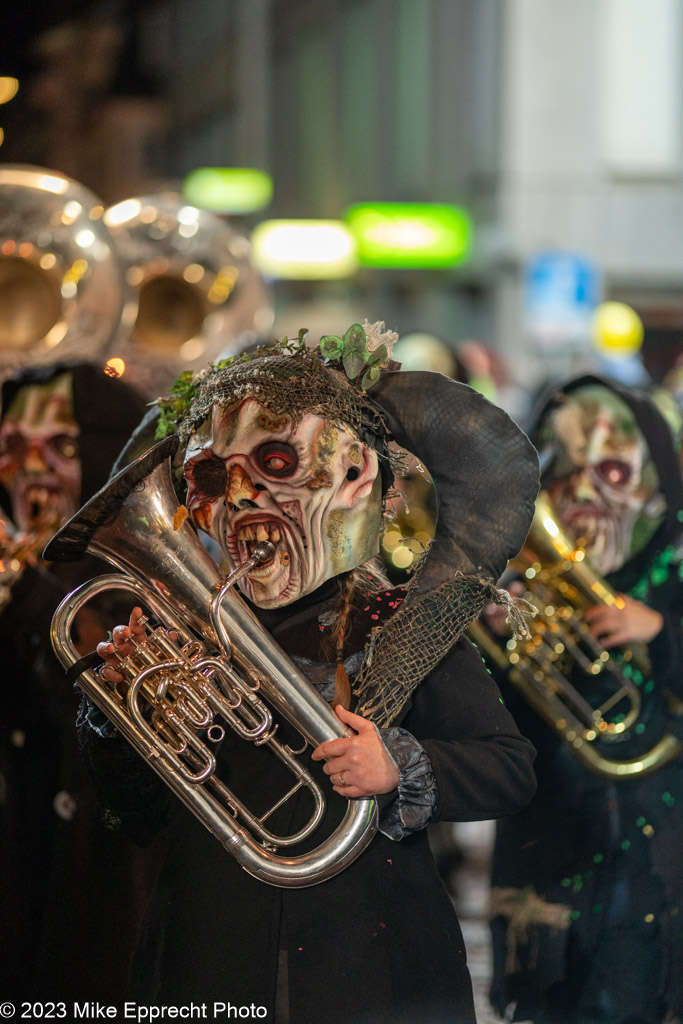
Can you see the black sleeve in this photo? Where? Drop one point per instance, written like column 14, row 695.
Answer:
column 482, row 763
column 132, row 798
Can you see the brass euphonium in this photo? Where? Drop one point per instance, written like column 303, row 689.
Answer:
column 550, row 666
column 181, row 694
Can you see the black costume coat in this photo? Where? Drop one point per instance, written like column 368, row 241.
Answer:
column 609, row 851
column 380, row 942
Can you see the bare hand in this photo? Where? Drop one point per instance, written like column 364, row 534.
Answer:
column 362, row 759
column 634, row 623
column 111, row 653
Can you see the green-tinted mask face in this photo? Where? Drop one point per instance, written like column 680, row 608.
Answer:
column 604, row 487
column 40, row 466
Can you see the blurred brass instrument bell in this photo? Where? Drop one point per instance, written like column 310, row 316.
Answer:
column 195, row 293
column 62, row 287
column 224, row 671
column 561, row 585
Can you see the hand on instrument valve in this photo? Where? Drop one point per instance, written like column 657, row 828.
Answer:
column 634, row 622
column 120, row 647
column 358, row 765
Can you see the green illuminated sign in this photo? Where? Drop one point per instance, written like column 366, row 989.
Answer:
column 410, row 235
column 228, row 189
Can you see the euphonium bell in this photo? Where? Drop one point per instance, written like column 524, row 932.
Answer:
column 561, row 660
column 224, row 670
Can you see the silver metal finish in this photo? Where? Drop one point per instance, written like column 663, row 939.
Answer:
column 173, row 575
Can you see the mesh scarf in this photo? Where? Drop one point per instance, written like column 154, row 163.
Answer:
column 410, row 645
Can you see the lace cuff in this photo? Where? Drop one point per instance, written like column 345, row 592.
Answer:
column 89, row 714
column 414, row 801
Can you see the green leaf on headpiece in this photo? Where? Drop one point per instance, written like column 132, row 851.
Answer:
column 371, row 374
column 331, row 346
column 353, row 364
column 166, row 424
column 355, row 340
column 379, row 355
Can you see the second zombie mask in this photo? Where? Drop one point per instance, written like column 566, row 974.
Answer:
column 40, row 467
column 311, row 487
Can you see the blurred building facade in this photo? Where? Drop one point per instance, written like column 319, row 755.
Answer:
column 557, row 126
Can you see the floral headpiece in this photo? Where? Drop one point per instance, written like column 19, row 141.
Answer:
column 289, row 377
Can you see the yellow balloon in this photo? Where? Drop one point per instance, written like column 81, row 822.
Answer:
column 617, row 329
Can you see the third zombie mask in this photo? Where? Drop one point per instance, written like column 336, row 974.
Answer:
column 604, row 484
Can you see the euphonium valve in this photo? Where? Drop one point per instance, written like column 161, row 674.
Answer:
column 222, row 670
column 595, row 699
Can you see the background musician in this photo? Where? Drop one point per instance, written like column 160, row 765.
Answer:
column 586, row 880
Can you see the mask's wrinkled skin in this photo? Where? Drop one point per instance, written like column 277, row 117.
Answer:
column 314, row 491
column 605, row 486
column 40, row 467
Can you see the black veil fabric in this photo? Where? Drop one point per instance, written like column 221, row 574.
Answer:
column 484, row 467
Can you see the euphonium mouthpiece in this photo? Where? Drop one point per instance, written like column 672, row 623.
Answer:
column 263, row 551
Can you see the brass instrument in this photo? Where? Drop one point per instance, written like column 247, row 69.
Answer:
column 17, row 551
column 195, row 293
column 224, row 669
column 62, row 288
column 561, row 585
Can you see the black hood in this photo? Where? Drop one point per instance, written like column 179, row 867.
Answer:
column 663, row 452
column 106, row 410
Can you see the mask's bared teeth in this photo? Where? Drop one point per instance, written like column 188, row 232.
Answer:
column 275, row 535
column 261, row 532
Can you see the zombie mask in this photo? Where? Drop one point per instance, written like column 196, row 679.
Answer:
column 310, row 487
column 605, row 486
column 40, row 466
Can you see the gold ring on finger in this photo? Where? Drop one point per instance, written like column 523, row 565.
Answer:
column 341, row 779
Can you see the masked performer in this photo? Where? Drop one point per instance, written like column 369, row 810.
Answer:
column 587, row 880
column 60, row 430
column 287, row 445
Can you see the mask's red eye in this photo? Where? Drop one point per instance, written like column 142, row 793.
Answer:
column 614, row 472
column 209, row 477
column 277, row 459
